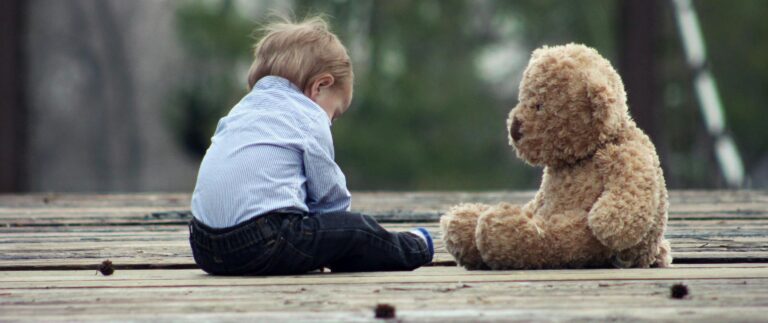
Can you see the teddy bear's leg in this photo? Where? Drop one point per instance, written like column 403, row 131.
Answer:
column 458, row 226
column 664, row 257
column 508, row 238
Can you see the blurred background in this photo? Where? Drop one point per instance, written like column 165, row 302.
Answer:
column 123, row 96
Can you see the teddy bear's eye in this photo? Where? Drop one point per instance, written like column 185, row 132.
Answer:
column 538, row 106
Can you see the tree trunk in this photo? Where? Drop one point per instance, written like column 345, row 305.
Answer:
column 640, row 23
column 13, row 123
column 638, row 41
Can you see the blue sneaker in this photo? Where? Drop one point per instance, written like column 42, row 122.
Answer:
column 424, row 234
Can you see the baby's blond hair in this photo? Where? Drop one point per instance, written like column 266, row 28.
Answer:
column 300, row 52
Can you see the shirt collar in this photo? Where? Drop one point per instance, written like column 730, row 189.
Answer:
column 272, row 81
column 278, row 82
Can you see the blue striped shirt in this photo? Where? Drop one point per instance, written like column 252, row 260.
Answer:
column 273, row 151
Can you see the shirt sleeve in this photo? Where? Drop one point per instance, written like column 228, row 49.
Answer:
column 326, row 184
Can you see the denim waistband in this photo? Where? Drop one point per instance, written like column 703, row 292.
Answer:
column 256, row 230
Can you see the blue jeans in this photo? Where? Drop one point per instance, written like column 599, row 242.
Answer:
column 294, row 243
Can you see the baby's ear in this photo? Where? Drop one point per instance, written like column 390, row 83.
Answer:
column 606, row 96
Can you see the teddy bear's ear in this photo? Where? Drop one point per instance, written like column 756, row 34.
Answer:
column 605, row 92
column 538, row 51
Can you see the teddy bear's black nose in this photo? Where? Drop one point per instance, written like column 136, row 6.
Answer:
column 514, row 130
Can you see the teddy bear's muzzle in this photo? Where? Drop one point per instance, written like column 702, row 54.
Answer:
column 514, row 130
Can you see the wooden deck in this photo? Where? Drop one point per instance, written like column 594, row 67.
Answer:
column 50, row 246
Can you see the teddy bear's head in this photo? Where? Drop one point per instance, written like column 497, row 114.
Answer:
column 571, row 101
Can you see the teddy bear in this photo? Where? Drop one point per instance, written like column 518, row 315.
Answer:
column 602, row 201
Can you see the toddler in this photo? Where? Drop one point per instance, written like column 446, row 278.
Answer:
column 269, row 197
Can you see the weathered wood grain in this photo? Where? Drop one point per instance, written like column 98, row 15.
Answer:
column 507, row 314
column 437, row 293
column 384, row 200
column 161, row 246
column 719, row 239
column 70, row 278
column 159, row 209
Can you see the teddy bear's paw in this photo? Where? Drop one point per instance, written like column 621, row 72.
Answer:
column 509, row 239
column 664, row 257
column 458, row 227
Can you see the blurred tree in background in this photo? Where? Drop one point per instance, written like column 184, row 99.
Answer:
column 423, row 117
column 215, row 36
column 435, row 80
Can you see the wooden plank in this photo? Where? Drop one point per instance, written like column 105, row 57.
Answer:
column 248, row 312
column 167, row 246
column 438, row 293
column 52, row 209
column 194, row 277
column 49, row 200
column 372, row 200
column 170, row 260
column 683, row 241
column 176, row 215
column 78, row 231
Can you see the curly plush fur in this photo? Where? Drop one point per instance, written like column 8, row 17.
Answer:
column 602, row 200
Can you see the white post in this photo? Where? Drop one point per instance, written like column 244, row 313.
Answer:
column 706, row 92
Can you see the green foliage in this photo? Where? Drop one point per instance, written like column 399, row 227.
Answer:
column 215, row 38
column 550, row 22
column 423, row 116
column 735, row 35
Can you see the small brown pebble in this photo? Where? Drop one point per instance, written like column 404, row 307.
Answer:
column 106, row 268
column 385, row 311
column 679, row 291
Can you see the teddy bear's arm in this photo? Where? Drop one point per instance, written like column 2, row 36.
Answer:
column 623, row 213
column 533, row 206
